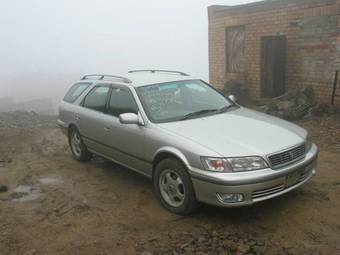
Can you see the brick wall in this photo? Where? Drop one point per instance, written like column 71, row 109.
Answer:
column 313, row 42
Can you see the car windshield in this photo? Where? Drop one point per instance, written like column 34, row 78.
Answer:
column 180, row 100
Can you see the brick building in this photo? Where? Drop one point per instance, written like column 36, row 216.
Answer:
column 275, row 45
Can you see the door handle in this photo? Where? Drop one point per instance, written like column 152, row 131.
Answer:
column 106, row 128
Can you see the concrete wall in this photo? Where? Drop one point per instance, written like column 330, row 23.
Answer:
column 313, row 42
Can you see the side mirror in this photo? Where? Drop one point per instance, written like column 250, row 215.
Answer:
column 232, row 98
column 130, row 118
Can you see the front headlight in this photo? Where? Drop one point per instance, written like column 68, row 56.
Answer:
column 234, row 164
column 247, row 164
column 216, row 164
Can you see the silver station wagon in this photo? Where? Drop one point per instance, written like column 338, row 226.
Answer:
column 196, row 144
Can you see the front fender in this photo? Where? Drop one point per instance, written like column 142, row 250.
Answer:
column 174, row 151
column 65, row 126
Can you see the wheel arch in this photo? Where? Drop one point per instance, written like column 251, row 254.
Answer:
column 71, row 125
column 169, row 152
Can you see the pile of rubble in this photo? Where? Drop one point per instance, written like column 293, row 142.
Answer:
column 325, row 109
column 22, row 119
column 293, row 105
column 297, row 104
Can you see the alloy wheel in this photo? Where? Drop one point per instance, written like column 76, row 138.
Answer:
column 172, row 188
column 76, row 143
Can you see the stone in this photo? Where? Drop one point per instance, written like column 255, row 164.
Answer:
column 252, row 242
column 201, row 239
column 31, row 252
column 259, row 249
column 186, row 244
column 189, row 250
column 146, row 253
column 201, row 253
column 284, row 105
column 243, row 248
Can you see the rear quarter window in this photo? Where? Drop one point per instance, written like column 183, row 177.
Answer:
column 75, row 91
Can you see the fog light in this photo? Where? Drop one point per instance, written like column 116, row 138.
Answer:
column 230, row 198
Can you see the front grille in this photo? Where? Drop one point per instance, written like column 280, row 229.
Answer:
column 287, row 156
column 268, row 191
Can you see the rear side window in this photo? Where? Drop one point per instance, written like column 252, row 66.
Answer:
column 121, row 101
column 96, row 98
column 75, row 91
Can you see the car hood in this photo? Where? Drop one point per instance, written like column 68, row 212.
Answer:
column 240, row 132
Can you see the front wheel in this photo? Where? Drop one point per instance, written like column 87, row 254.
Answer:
column 173, row 187
column 78, row 148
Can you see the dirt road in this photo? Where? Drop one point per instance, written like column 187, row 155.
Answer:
column 56, row 205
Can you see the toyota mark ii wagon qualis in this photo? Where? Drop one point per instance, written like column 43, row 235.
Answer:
column 196, row 144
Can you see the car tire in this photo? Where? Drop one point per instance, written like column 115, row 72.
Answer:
column 170, row 174
column 78, row 148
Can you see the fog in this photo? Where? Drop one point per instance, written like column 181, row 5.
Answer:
column 47, row 45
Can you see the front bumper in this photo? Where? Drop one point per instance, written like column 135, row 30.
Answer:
column 255, row 186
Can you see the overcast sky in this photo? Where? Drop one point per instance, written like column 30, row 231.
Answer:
column 54, row 38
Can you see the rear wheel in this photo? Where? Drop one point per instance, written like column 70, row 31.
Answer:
column 78, row 148
column 174, row 188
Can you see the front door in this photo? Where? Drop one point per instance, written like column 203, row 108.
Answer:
column 125, row 142
column 273, row 66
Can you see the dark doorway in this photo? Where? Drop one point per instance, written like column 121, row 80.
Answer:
column 273, row 65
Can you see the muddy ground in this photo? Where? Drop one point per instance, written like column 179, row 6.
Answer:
column 56, row 205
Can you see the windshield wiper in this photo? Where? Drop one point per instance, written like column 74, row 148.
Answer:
column 225, row 108
column 197, row 113
column 193, row 114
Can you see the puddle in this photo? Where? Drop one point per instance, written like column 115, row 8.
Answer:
column 24, row 193
column 23, row 189
column 29, row 197
column 50, row 180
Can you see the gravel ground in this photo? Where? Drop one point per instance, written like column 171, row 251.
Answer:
column 52, row 204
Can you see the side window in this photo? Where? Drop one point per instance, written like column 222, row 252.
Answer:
column 121, row 101
column 75, row 91
column 96, row 98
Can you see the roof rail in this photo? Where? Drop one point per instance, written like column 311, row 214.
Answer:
column 161, row 71
column 105, row 76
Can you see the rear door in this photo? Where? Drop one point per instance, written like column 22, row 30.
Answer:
column 91, row 117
